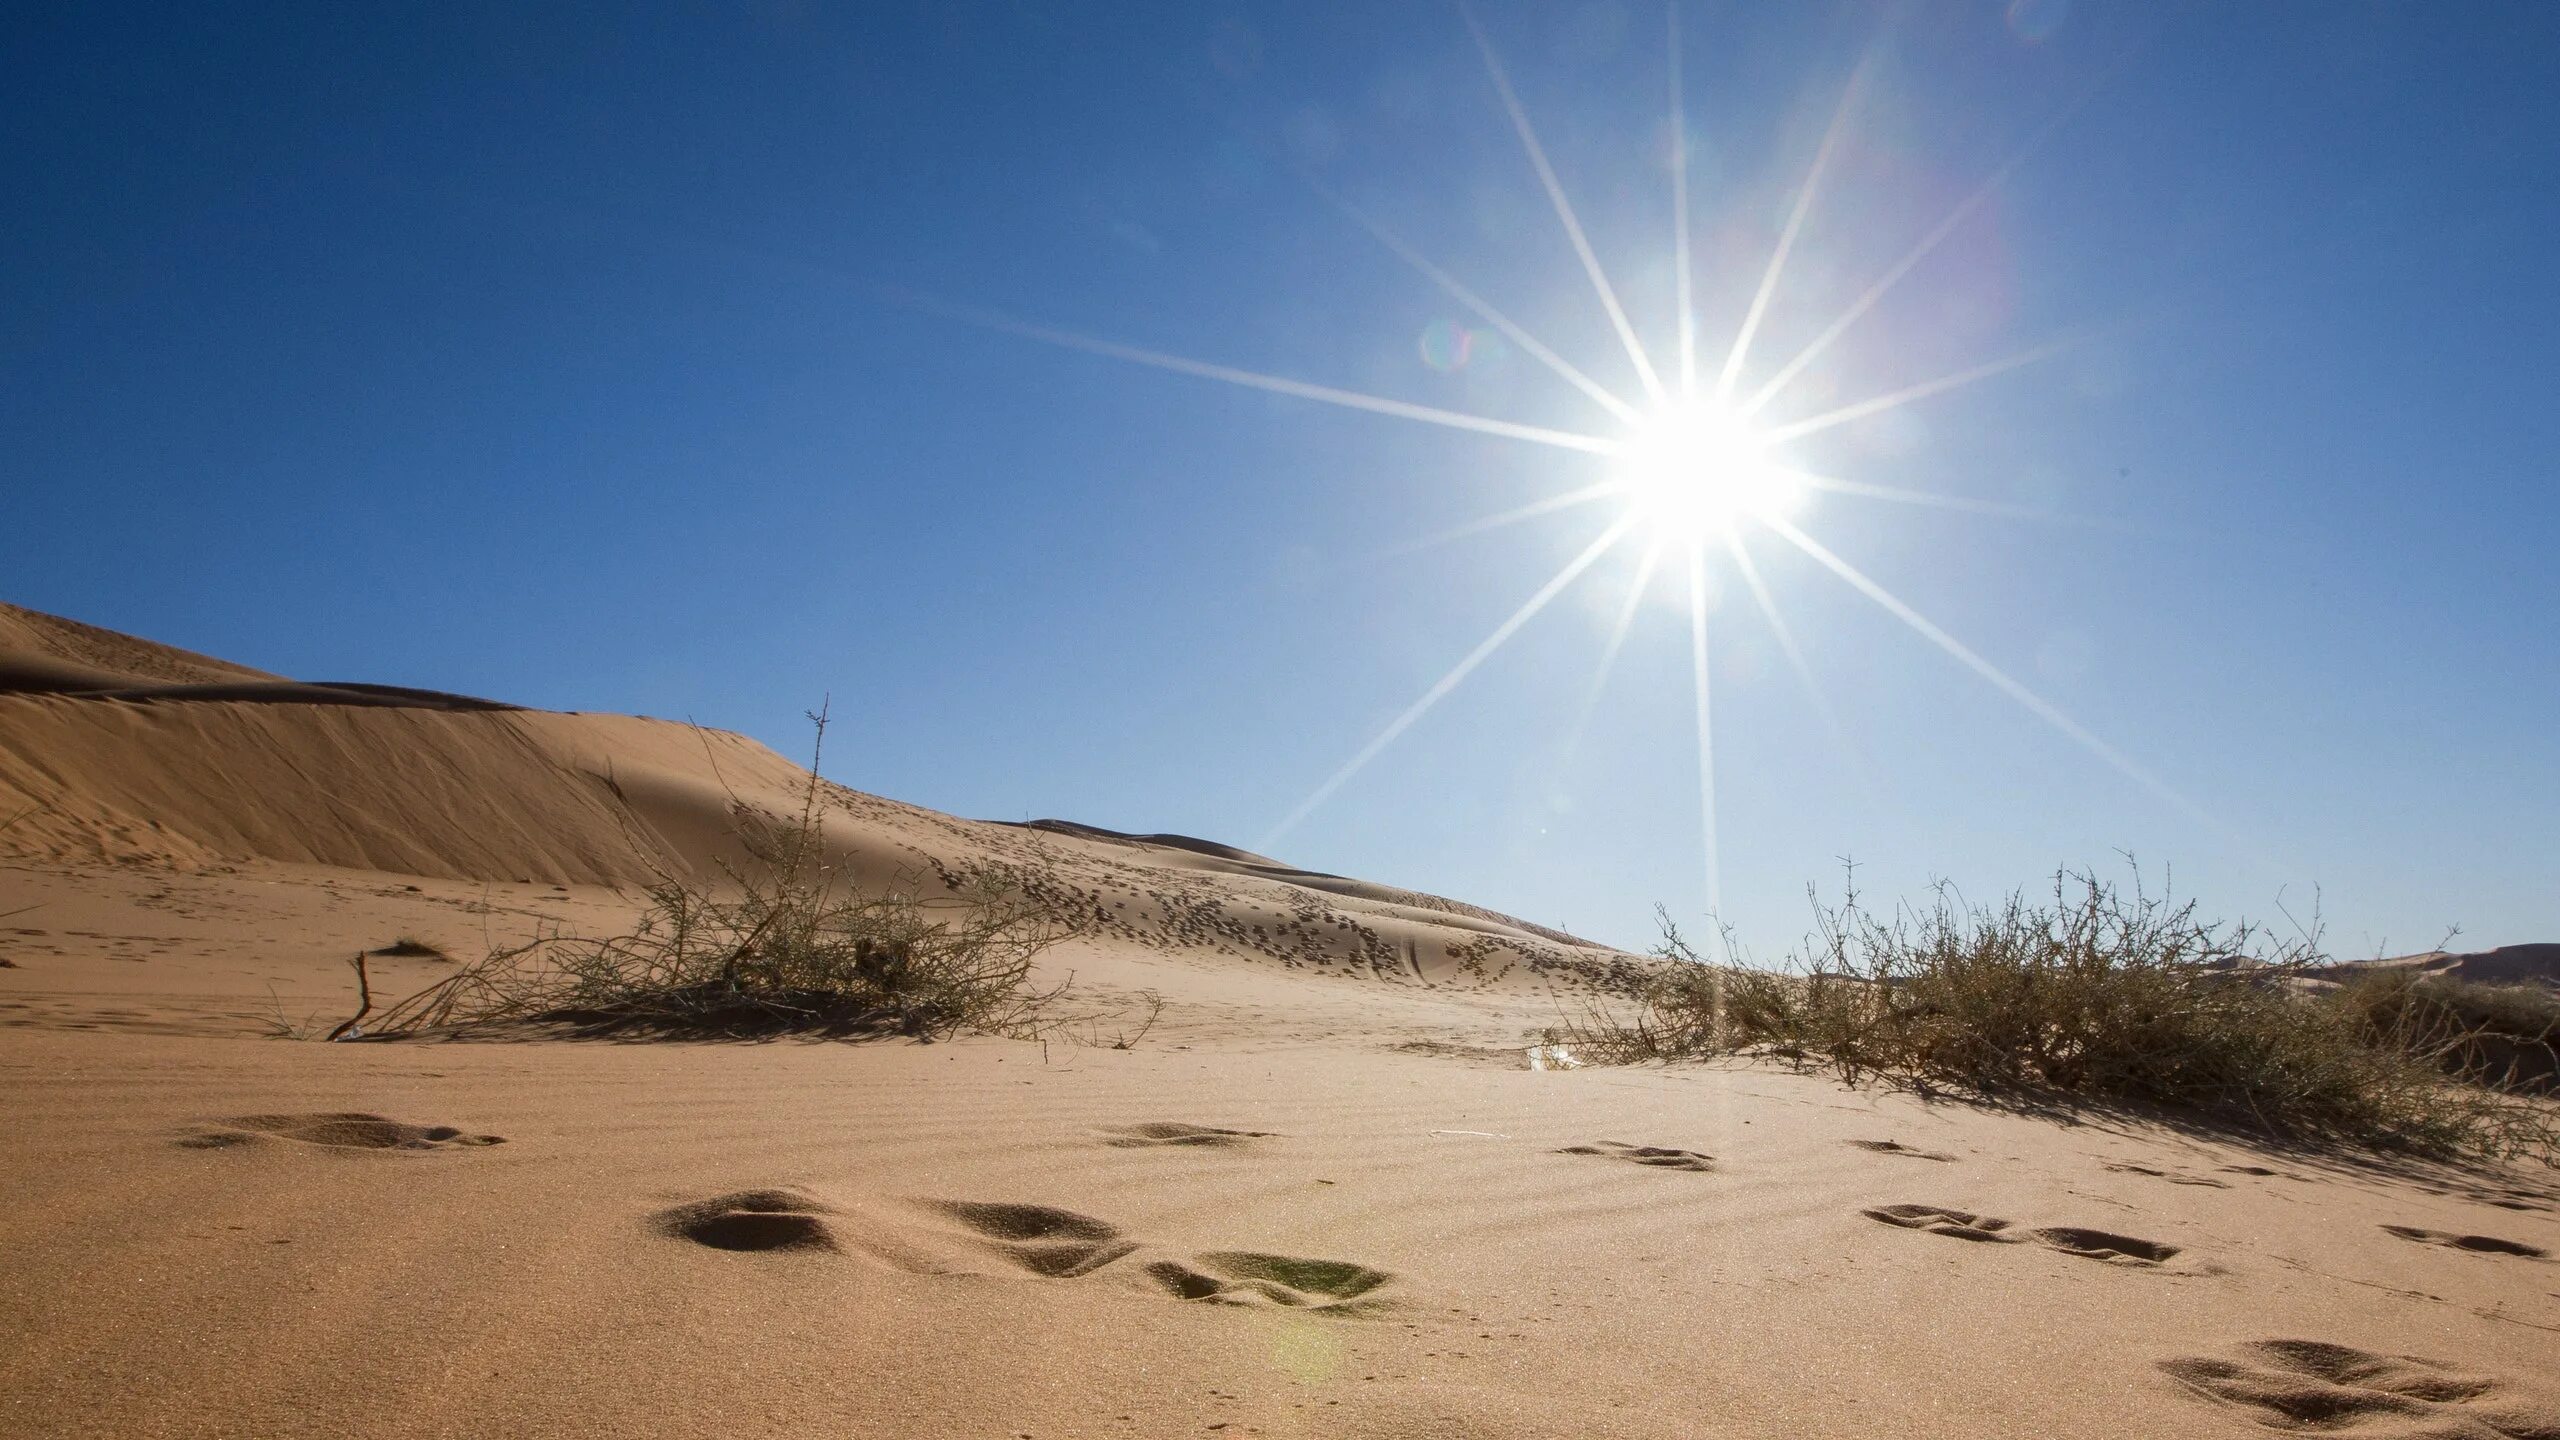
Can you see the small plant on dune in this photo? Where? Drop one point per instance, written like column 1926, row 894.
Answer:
column 278, row 1025
column 2095, row 994
column 786, row 943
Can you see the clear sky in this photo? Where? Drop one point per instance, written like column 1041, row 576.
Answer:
column 645, row 362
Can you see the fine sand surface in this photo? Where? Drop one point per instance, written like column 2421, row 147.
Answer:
column 1323, row 1197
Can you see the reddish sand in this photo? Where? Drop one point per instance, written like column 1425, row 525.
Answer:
column 1323, row 1197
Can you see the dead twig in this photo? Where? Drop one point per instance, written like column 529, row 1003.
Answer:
column 352, row 1028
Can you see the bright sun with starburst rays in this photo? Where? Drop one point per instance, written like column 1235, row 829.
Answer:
column 1695, row 468
column 1692, row 473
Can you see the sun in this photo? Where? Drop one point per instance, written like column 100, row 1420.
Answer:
column 1696, row 471
column 1696, row 464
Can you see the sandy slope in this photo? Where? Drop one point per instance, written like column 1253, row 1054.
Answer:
column 1321, row 1199
column 195, row 776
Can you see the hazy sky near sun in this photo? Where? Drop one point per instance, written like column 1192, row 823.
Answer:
column 561, row 355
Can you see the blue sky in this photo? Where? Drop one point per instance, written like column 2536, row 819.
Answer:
column 571, row 359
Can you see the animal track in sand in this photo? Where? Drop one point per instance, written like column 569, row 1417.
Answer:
column 1896, row 1147
column 757, row 1220
column 2174, row 1177
column 2314, row 1385
column 2069, row 1239
column 2477, row 1244
column 1175, row 1132
column 343, row 1130
column 2259, row 1171
column 1660, row 1157
column 2502, row 1196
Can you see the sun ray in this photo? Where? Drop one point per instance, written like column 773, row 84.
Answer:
column 1680, row 214
column 1257, row 380
column 1609, row 648
column 1482, row 308
column 1877, row 405
column 1911, row 259
column 1706, row 743
column 1749, row 570
column 1563, row 207
column 1512, row 516
column 1869, row 490
column 1786, row 240
column 1767, row 602
column 2035, row 704
column 1440, row 688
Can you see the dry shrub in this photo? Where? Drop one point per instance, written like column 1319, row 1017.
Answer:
column 788, row 944
column 2095, row 994
column 2505, row 1036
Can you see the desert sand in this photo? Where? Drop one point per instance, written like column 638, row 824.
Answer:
column 1323, row 1196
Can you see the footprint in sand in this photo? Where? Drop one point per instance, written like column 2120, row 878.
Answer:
column 345, row 1130
column 1962, row 1224
column 1896, row 1147
column 1660, row 1157
column 1062, row 1244
column 1175, row 1132
column 1041, row 1240
column 1058, row 1243
column 2477, row 1244
column 2070, row 1240
column 2312, row 1385
column 2104, row 1245
column 1244, row 1277
column 777, row 1219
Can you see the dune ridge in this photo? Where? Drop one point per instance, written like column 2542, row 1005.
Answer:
column 226, row 766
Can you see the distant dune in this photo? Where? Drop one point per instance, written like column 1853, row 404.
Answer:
column 2505, row 965
column 44, row 654
column 125, row 751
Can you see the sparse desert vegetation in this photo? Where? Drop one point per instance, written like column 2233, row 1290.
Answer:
column 2507, row 1036
column 2102, row 993
column 784, row 942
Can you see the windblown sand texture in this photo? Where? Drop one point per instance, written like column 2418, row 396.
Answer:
column 1322, row 1198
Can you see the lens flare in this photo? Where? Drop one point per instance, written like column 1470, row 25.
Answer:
column 1447, row 345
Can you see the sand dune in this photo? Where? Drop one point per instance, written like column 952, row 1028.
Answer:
column 1323, row 1198
column 186, row 777
column 44, row 654
column 47, row 652
column 2505, row 965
